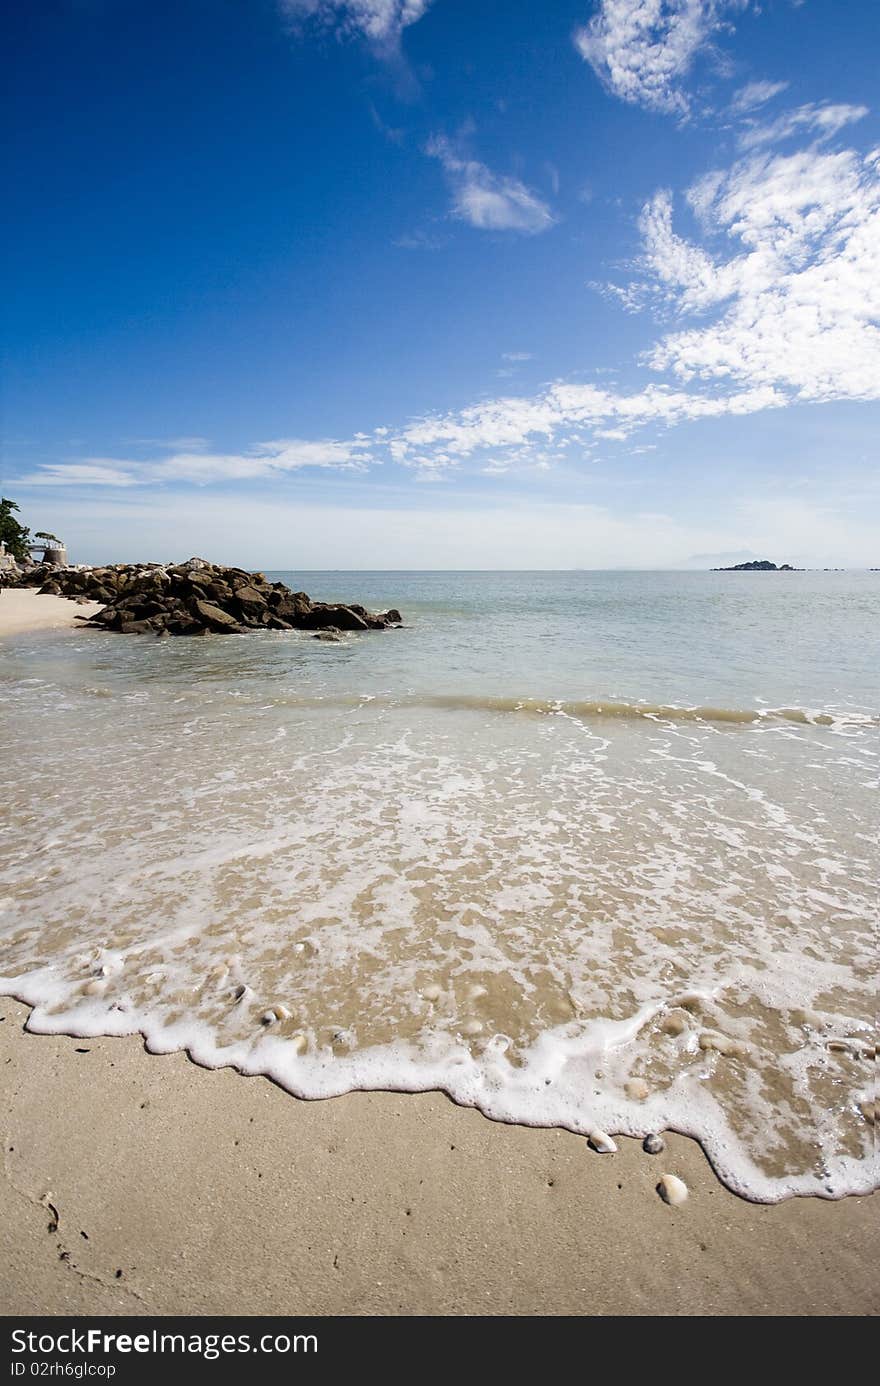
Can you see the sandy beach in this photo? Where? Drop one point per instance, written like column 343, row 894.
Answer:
column 22, row 609
column 184, row 1191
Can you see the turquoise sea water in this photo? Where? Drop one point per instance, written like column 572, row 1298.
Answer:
column 591, row 849
column 722, row 639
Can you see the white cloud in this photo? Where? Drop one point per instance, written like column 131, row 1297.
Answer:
column 567, row 414
column 96, row 472
column 804, row 311
column 642, row 49
column 379, row 21
column 487, row 200
column 676, row 267
column 203, row 468
column 266, row 459
column 755, row 94
column 826, row 119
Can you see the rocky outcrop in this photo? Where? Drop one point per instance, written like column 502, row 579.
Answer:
column 757, row 565
column 196, row 598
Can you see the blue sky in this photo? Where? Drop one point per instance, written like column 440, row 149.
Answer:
column 391, row 283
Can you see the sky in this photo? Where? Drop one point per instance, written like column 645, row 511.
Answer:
column 445, row 283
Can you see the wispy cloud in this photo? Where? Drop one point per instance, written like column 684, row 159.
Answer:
column 642, row 50
column 755, row 94
column 420, row 240
column 204, row 468
column 381, row 22
column 266, row 459
column 568, row 416
column 825, row 119
column 95, row 472
column 486, row 200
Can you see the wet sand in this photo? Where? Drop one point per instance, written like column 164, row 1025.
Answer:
column 22, row 609
column 186, row 1191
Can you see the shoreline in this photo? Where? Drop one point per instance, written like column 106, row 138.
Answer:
column 24, row 609
column 215, row 1193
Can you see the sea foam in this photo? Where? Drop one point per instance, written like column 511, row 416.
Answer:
column 558, row 912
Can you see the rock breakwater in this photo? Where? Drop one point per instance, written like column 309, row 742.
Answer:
column 197, row 598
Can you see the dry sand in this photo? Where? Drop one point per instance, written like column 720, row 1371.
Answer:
column 22, row 609
column 186, row 1191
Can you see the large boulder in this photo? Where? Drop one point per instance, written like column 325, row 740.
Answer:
column 216, row 618
column 293, row 607
column 249, row 602
column 320, row 616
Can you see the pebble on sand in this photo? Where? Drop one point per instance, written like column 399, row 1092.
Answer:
column 672, row 1190
column 720, row 1044
column 432, row 992
column 275, row 1013
column 602, row 1142
column 653, row 1144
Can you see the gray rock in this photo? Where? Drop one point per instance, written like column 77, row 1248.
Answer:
column 216, row 617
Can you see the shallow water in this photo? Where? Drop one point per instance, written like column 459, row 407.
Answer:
column 591, row 849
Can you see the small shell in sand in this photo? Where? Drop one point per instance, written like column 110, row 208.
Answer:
column 275, row 1013
column 869, row 1111
column 46, row 1200
column 432, row 992
column 602, row 1142
column 672, row 1190
column 298, row 1043
column 637, row 1089
column 653, row 1144
column 472, row 1027
column 240, row 992
column 95, row 988
column 475, row 993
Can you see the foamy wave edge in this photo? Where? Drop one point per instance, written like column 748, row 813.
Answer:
column 515, row 1096
column 586, row 709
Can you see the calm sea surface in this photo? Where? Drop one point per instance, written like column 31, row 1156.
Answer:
column 590, row 849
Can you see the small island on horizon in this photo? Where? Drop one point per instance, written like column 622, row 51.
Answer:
column 758, row 565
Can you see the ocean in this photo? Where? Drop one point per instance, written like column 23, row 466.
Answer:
column 588, row 849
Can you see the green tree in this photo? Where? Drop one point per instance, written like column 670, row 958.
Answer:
column 12, row 534
column 44, row 534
